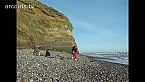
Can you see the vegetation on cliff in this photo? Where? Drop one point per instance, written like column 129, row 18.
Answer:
column 43, row 26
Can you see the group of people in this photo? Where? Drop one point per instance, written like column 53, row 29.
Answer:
column 36, row 52
column 74, row 52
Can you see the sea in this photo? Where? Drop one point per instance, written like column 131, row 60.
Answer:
column 115, row 57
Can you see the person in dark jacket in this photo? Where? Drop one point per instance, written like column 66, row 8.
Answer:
column 74, row 52
column 47, row 53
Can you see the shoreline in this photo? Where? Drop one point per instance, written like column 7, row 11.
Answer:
column 95, row 59
column 62, row 68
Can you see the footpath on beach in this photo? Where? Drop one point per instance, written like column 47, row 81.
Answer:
column 60, row 67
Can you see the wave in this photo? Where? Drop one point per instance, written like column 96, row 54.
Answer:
column 121, row 58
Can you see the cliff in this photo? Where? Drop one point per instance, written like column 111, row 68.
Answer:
column 43, row 26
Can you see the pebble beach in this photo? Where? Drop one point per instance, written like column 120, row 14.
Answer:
column 60, row 67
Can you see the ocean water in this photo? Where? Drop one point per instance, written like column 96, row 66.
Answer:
column 115, row 57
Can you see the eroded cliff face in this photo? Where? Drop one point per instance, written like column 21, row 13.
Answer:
column 43, row 26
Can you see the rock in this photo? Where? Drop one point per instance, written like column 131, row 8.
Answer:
column 37, row 69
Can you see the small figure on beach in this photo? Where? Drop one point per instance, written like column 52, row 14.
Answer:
column 47, row 53
column 36, row 51
column 74, row 52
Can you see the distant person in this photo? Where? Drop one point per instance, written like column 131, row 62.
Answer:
column 74, row 52
column 47, row 53
column 36, row 52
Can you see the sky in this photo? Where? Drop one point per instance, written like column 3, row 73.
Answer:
column 98, row 25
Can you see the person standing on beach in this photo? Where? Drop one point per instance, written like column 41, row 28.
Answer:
column 74, row 52
column 47, row 53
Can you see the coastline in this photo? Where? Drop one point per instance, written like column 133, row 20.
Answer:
column 62, row 68
column 95, row 59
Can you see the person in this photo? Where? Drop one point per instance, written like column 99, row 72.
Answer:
column 74, row 52
column 36, row 52
column 47, row 53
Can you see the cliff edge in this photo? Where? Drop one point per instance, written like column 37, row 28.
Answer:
column 43, row 26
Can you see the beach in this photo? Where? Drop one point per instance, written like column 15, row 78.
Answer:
column 60, row 67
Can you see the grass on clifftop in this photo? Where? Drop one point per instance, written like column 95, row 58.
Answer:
column 43, row 26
